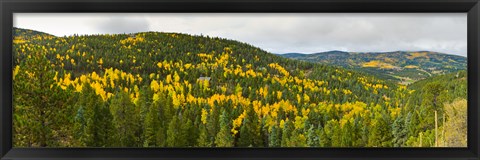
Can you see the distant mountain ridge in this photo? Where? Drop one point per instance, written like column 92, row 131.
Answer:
column 400, row 66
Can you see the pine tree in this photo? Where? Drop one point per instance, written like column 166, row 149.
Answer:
column 80, row 127
column 250, row 131
column 287, row 133
column 274, row 137
column 224, row 138
column 332, row 130
column 245, row 138
column 347, row 135
column 399, row 132
column 144, row 103
column 189, row 134
column 172, row 133
column 152, row 126
column 203, row 140
column 322, row 137
column 176, row 135
column 123, row 111
column 297, row 140
column 312, row 138
column 42, row 104
column 102, row 127
column 380, row 136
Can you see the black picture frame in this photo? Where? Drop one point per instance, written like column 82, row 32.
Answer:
column 8, row 7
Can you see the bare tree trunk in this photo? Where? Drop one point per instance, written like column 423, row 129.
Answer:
column 421, row 134
column 443, row 134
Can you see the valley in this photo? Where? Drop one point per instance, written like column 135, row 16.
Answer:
column 404, row 67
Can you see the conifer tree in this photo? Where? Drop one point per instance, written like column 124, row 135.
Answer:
column 287, row 133
column 123, row 111
column 312, row 138
column 224, row 138
column 152, row 126
column 274, row 137
column 203, row 140
column 399, row 132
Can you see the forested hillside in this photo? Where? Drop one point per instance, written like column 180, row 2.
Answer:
column 402, row 66
column 156, row 89
column 28, row 34
column 446, row 94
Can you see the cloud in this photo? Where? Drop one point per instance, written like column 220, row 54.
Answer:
column 123, row 25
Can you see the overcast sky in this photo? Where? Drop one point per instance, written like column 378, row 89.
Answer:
column 278, row 33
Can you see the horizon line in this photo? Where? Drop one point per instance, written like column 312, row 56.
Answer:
column 202, row 35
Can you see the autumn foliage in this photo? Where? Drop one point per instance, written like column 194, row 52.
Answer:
column 176, row 90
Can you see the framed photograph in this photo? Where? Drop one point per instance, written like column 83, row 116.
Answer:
column 261, row 79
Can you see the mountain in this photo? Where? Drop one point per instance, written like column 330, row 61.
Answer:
column 155, row 89
column 401, row 66
column 28, row 33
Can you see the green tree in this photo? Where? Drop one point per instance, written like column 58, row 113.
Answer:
column 224, row 138
column 275, row 137
column 203, row 140
column 287, row 133
column 153, row 127
column 93, row 123
column 123, row 111
column 176, row 134
column 399, row 132
column 40, row 105
column 380, row 136
column 250, row 131
column 312, row 137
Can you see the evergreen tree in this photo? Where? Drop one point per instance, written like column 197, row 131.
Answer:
column 250, row 131
column 152, row 126
column 176, row 135
column 275, row 137
column 399, row 132
column 123, row 111
column 312, row 138
column 287, row 133
column 203, row 140
column 224, row 138
column 41, row 103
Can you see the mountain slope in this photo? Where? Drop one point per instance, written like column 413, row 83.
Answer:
column 401, row 66
column 154, row 89
column 28, row 34
column 438, row 94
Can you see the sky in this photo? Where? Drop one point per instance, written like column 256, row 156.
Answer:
column 277, row 32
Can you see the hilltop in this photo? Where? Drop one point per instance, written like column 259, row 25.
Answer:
column 28, row 33
column 401, row 66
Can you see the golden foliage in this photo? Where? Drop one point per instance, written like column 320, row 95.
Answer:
column 378, row 64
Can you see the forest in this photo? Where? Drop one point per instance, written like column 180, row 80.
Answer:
column 155, row 89
column 403, row 67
